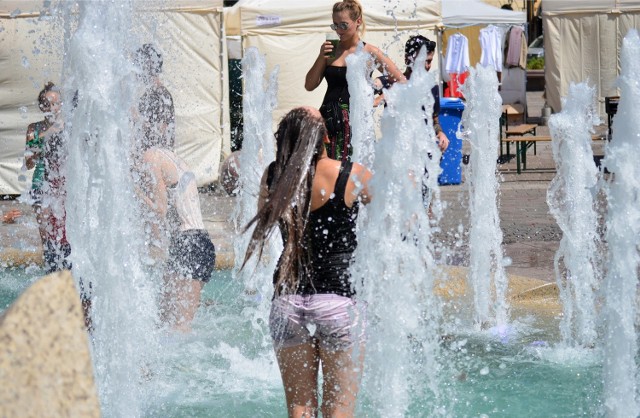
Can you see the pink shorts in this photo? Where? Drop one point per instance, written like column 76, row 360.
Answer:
column 334, row 322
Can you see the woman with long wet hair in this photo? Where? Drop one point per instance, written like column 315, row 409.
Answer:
column 315, row 320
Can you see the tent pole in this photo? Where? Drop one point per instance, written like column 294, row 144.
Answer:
column 441, row 81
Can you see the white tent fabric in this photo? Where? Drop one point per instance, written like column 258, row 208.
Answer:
column 551, row 7
column 188, row 32
column 460, row 13
column 290, row 33
column 582, row 42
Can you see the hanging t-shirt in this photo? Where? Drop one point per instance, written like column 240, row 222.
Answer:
column 516, row 55
column 491, row 44
column 457, row 60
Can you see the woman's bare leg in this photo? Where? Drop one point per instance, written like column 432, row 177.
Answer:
column 341, row 372
column 181, row 299
column 299, row 370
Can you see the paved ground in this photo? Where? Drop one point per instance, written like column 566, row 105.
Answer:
column 531, row 235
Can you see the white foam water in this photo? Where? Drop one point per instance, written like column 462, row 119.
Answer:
column 394, row 266
column 571, row 199
column 258, row 151
column 481, row 122
column 103, row 219
column 359, row 67
column 620, row 347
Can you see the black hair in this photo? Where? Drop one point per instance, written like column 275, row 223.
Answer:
column 414, row 44
column 299, row 141
column 43, row 102
column 149, row 60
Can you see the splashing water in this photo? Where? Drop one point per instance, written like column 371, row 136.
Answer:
column 394, row 266
column 258, row 150
column 481, row 121
column 623, row 237
column 102, row 216
column 571, row 201
column 361, row 106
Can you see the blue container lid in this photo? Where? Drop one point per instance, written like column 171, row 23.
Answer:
column 451, row 103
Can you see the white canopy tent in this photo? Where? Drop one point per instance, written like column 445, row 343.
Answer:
column 188, row 32
column 582, row 41
column 461, row 13
column 290, row 33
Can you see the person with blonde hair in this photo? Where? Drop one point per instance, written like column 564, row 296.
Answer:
column 315, row 321
column 349, row 24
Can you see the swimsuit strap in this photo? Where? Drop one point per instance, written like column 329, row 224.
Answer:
column 343, row 177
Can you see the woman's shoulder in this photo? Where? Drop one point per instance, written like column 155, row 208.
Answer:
column 35, row 125
column 371, row 48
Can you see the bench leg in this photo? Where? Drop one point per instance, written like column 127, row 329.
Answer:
column 518, row 148
column 523, row 148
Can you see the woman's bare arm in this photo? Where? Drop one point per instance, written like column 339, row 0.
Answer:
column 314, row 76
column 31, row 154
column 385, row 65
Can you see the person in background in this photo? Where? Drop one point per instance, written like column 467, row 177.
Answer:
column 46, row 153
column 411, row 50
column 170, row 191
column 348, row 22
column 156, row 112
column 412, row 47
column 314, row 200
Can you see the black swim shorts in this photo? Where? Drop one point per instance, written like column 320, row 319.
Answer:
column 192, row 255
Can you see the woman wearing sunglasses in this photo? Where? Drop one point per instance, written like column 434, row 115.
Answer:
column 348, row 22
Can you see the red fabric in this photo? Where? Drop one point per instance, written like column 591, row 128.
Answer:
column 456, row 80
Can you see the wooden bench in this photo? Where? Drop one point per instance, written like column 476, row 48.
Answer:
column 522, row 144
column 519, row 130
column 525, row 142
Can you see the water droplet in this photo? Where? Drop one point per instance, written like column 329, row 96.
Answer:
column 312, row 328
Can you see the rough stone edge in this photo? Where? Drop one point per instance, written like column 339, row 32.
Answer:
column 33, row 381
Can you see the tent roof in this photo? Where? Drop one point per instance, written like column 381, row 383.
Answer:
column 32, row 8
column 286, row 16
column 459, row 13
column 588, row 6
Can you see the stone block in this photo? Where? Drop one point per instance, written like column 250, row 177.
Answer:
column 45, row 361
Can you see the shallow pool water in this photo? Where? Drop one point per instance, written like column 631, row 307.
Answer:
column 226, row 368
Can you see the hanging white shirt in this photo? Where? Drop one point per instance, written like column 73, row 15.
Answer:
column 457, row 60
column 491, row 44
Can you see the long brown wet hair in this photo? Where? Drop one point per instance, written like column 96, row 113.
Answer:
column 299, row 141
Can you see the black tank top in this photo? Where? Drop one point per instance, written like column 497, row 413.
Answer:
column 337, row 87
column 330, row 240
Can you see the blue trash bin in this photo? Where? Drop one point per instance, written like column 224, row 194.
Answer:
column 450, row 116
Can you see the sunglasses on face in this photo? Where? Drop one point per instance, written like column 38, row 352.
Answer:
column 341, row 26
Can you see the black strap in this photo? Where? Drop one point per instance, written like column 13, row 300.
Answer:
column 343, row 177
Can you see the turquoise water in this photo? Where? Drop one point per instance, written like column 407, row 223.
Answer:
column 226, row 368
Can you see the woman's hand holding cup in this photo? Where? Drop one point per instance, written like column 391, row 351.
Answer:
column 331, row 45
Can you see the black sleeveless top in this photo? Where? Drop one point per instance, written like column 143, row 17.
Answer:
column 331, row 241
column 335, row 111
